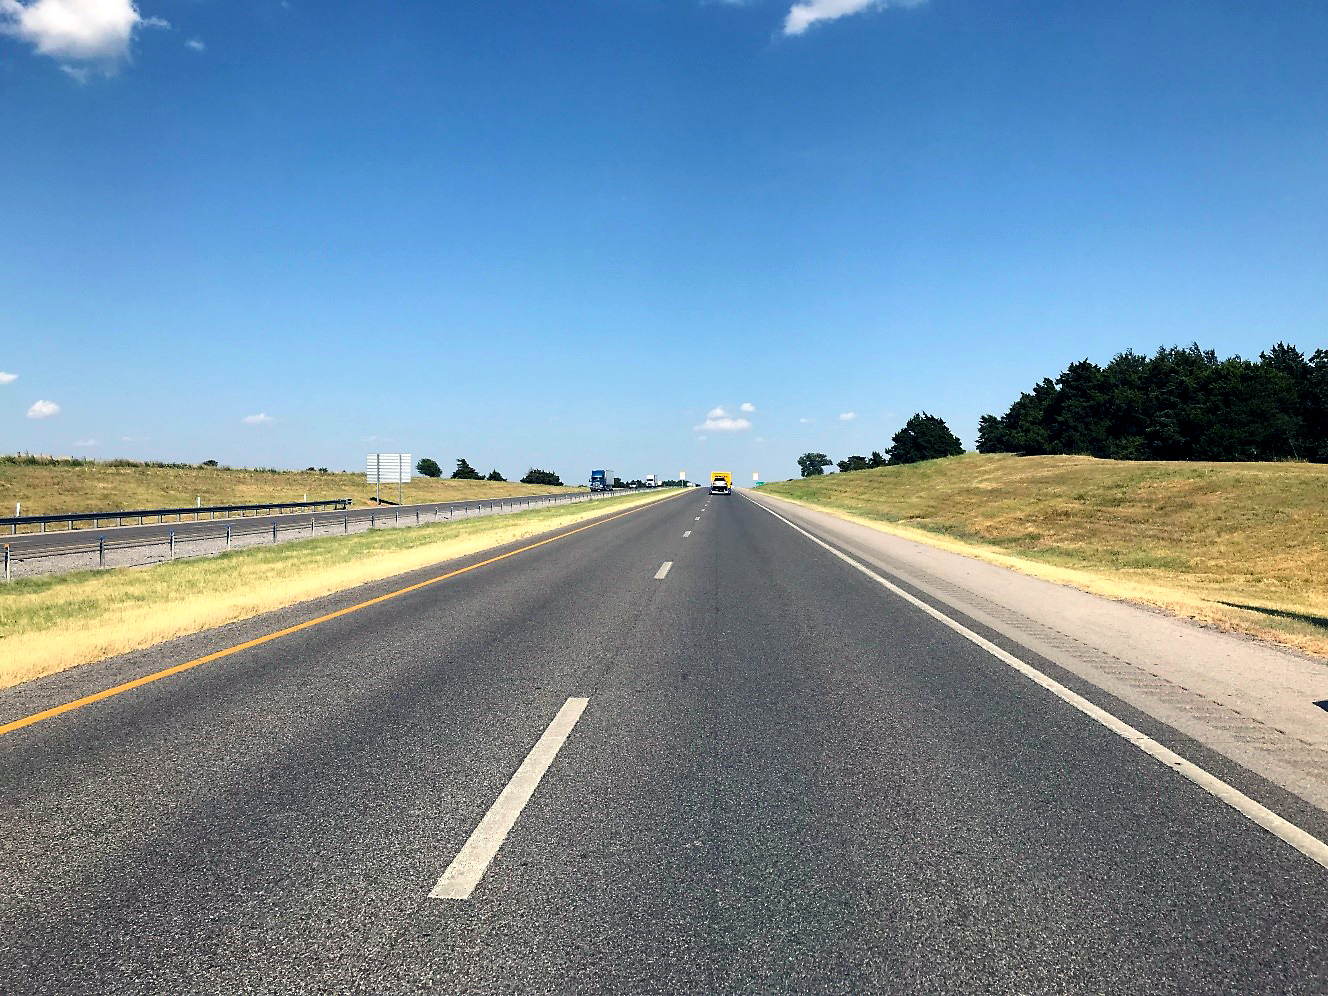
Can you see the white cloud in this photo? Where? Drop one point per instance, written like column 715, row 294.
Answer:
column 747, row 407
column 196, row 45
column 262, row 418
column 86, row 444
column 847, row 416
column 802, row 16
column 43, row 409
column 806, row 421
column 723, row 424
column 95, row 33
column 717, row 413
column 7, row 378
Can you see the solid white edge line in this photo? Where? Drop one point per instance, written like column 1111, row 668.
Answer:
column 470, row 864
column 1307, row 844
column 663, row 571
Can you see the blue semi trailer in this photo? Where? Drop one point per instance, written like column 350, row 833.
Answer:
column 601, row 480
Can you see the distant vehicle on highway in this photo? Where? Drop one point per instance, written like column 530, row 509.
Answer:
column 721, row 483
column 650, row 481
column 601, row 480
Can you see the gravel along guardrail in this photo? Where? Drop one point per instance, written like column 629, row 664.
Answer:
column 140, row 546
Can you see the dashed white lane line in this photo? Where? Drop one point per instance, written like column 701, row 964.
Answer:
column 1307, row 844
column 468, row 867
column 686, row 534
column 663, row 571
column 698, row 518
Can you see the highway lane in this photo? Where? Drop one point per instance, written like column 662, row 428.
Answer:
column 61, row 541
column 784, row 780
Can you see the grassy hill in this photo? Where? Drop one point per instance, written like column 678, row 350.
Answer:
column 1244, row 545
column 52, row 487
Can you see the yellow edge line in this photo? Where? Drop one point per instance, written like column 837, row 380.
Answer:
column 88, row 700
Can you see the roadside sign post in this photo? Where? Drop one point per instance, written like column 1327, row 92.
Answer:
column 387, row 468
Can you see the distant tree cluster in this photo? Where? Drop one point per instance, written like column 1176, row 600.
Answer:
column 1179, row 404
column 536, row 476
column 923, row 437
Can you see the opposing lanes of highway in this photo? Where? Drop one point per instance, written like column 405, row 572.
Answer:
column 62, row 541
column 783, row 778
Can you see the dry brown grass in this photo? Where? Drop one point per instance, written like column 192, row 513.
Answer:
column 1240, row 545
column 54, row 623
column 59, row 487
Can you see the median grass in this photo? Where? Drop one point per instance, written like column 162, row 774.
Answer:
column 1239, row 545
column 55, row 487
column 50, row 624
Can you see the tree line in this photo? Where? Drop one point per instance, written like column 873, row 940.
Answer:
column 923, row 437
column 1182, row 403
column 428, row 467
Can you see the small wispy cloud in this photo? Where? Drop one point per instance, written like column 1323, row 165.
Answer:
column 83, row 35
column 7, row 378
column 806, row 421
column 747, row 407
column 43, row 409
column 802, row 16
column 847, row 416
column 85, row 444
column 723, row 424
column 717, row 412
column 195, row 45
column 262, row 418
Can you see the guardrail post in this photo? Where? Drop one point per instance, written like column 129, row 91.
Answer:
column 274, row 532
column 228, row 537
column 417, row 516
column 346, row 523
column 101, row 551
column 396, row 516
column 172, row 538
column 373, row 517
column 312, row 521
column 6, row 561
column 451, row 509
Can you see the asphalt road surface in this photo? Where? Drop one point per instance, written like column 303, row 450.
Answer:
column 754, row 771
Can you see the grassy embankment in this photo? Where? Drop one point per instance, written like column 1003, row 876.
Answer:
column 1240, row 545
column 55, row 487
column 49, row 624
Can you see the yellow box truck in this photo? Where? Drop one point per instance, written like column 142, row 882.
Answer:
column 721, row 483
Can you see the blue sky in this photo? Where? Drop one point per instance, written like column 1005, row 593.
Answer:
column 563, row 234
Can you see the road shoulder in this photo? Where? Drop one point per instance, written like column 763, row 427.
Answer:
column 1252, row 702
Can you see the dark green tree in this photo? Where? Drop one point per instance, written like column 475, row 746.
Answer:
column 854, row 463
column 813, row 464
column 495, row 476
column 923, row 437
column 465, row 472
column 877, row 459
column 428, row 467
column 537, row 476
column 1181, row 403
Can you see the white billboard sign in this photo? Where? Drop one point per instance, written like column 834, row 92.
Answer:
column 388, row 468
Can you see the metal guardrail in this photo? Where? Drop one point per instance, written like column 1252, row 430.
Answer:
column 202, row 540
column 163, row 514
